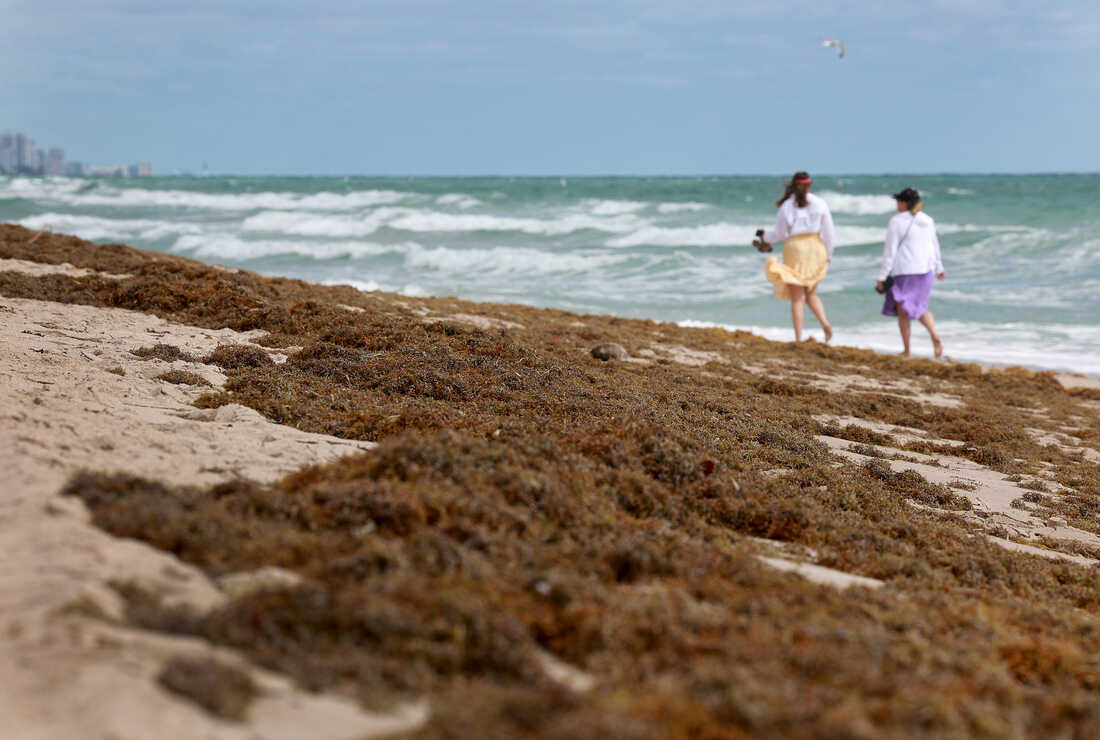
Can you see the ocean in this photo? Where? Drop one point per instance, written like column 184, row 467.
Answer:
column 1021, row 252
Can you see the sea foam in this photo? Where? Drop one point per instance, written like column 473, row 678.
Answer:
column 1048, row 347
column 434, row 221
column 682, row 207
column 725, row 234
column 101, row 194
column 457, row 199
column 613, row 207
column 315, row 224
column 220, row 246
column 860, row 205
column 508, row 260
column 720, row 234
column 96, row 228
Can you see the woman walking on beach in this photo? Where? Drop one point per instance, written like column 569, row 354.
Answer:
column 805, row 225
column 911, row 258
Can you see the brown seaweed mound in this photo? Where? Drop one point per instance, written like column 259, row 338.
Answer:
column 527, row 498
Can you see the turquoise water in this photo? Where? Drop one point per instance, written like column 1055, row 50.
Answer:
column 1022, row 253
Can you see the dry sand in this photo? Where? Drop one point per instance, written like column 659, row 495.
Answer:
column 75, row 397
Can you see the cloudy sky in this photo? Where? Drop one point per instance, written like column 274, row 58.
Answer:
column 556, row 86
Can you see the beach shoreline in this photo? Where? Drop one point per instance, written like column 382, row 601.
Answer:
column 91, row 385
column 675, row 250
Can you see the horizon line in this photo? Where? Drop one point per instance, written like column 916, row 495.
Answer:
column 550, row 176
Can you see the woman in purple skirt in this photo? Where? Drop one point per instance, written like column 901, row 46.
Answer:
column 912, row 257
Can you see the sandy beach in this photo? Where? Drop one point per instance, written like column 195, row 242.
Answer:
column 248, row 507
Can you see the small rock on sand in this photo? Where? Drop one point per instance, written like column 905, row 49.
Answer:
column 236, row 585
column 607, row 352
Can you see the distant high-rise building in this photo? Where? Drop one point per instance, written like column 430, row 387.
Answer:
column 54, row 162
column 74, row 169
column 7, row 153
column 142, row 169
column 26, row 154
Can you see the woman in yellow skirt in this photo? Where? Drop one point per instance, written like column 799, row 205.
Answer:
column 805, row 226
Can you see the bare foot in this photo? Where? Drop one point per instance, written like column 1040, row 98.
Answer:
column 937, row 345
column 828, row 332
column 904, row 353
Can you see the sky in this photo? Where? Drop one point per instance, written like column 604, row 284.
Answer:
column 552, row 87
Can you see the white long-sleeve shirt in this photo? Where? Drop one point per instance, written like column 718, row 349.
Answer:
column 912, row 253
column 815, row 218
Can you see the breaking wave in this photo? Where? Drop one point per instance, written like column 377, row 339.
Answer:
column 860, row 205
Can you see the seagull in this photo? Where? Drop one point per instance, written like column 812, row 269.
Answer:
column 839, row 46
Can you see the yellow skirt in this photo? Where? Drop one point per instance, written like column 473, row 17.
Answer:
column 805, row 262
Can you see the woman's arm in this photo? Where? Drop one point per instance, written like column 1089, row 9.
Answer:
column 890, row 251
column 939, row 261
column 782, row 228
column 828, row 233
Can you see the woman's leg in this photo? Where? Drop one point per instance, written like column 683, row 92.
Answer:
column 818, row 308
column 930, row 324
column 903, row 327
column 798, row 300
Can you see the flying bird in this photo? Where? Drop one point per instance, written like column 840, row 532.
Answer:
column 839, row 46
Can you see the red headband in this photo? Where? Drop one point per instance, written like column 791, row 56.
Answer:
column 803, row 181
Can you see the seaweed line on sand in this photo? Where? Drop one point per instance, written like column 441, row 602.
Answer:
column 526, row 498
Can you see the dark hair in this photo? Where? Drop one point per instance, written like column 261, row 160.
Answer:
column 908, row 196
column 797, row 189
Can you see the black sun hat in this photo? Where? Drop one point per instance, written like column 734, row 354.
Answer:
column 909, row 195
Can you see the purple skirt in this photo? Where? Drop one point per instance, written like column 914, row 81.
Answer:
column 911, row 292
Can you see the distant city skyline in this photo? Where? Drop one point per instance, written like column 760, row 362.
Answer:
column 20, row 155
column 434, row 87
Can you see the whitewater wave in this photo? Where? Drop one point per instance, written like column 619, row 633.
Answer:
column 411, row 289
column 612, row 207
column 942, row 228
column 367, row 286
column 859, row 205
column 30, row 188
column 457, row 199
column 77, row 193
column 433, row 221
column 1075, row 257
column 725, row 234
column 304, row 223
column 682, row 207
column 994, row 295
column 851, row 236
column 1017, row 245
column 301, row 223
column 508, row 261
column 708, row 235
column 95, row 228
column 1039, row 346
column 233, row 249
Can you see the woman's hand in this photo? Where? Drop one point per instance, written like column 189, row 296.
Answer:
column 880, row 287
column 941, row 276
